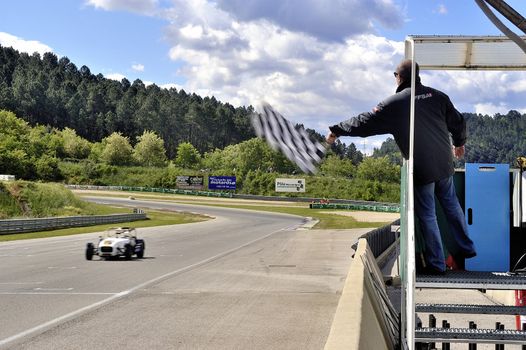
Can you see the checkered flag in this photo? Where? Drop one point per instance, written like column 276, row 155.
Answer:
column 293, row 142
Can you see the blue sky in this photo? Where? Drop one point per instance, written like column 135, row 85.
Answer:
column 317, row 61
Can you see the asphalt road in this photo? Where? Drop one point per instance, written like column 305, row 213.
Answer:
column 243, row 280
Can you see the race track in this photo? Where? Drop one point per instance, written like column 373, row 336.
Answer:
column 243, row 280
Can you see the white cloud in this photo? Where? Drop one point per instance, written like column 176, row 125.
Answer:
column 115, row 76
column 138, row 67
column 327, row 20
column 492, row 109
column 19, row 44
column 307, row 79
column 441, row 9
column 317, row 67
column 147, row 7
column 171, row 86
column 485, row 92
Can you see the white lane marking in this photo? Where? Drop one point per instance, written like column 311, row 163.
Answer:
column 15, row 255
column 54, row 322
column 52, row 289
column 60, row 319
column 62, row 267
column 56, row 293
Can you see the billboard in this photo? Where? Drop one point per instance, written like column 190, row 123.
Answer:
column 290, row 185
column 189, row 182
column 221, row 182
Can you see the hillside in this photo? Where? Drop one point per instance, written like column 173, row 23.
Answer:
column 30, row 199
column 51, row 91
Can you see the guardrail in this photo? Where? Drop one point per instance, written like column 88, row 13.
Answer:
column 153, row 189
column 43, row 224
column 380, row 239
column 352, row 204
column 357, row 206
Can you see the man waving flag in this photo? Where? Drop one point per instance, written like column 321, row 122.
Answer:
column 293, row 142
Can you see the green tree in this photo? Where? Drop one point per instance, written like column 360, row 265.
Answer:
column 353, row 154
column 47, row 168
column 75, row 146
column 14, row 138
column 117, row 150
column 95, row 154
column 149, row 149
column 10, row 125
column 188, row 156
column 389, row 149
column 28, row 153
column 253, row 154
column 334, row 166
column 213, row 160
column 378, row 169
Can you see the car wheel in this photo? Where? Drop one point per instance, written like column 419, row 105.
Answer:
column 89, row 251
column 140, row 253
column 128, row 252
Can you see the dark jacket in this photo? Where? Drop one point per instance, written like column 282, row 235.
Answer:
column 435, row 120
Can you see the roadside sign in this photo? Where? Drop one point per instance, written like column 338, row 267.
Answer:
column 189, row 182
column 7, row 177
column 221, row 182
column 290, row 185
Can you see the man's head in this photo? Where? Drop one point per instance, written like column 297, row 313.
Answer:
column 403, row 72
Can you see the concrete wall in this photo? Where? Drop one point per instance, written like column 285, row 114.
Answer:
column 359, row 322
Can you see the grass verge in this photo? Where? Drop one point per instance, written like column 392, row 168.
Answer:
column 327, row 221
column 155, row 218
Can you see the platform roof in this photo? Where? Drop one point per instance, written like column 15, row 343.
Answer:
column 467, row 52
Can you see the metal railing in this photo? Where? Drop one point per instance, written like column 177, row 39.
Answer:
column 43, row 224
column 380, row 239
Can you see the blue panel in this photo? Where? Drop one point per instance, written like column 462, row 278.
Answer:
column 221, row 182
column 488, row 215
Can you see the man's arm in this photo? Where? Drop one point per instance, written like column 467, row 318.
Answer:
column 331, row 138
column 365, row 124
column 458, row 152
column 456, row 124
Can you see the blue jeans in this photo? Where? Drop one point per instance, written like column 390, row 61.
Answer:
column 425, row 211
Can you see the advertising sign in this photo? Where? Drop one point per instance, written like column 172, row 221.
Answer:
column 290, row 185
column 221, row 182
column 189, row 182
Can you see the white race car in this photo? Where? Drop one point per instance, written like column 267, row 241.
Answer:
column 117, row 242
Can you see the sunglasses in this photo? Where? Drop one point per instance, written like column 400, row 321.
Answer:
column 395, row 74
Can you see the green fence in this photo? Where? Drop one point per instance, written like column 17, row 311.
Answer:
column 367, row 207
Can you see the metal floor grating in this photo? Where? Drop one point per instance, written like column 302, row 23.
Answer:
column 466, row 335
column 473, row 280
column 471, row 309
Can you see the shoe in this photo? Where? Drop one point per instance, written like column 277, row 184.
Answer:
column 459, row 262
column 469, row 255
column 451, row 263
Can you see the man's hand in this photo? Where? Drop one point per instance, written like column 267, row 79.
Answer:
column 458, row 152
column 331, row 138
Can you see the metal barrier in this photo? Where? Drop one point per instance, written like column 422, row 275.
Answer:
column 357, row 206
column 380, row 239
column 43, row 224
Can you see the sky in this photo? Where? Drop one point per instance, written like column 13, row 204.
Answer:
column 318, row 62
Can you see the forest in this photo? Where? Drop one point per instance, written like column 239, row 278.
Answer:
column 61, row 123
column 54, row 92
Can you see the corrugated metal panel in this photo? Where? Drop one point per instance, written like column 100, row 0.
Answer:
column 468, row 52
